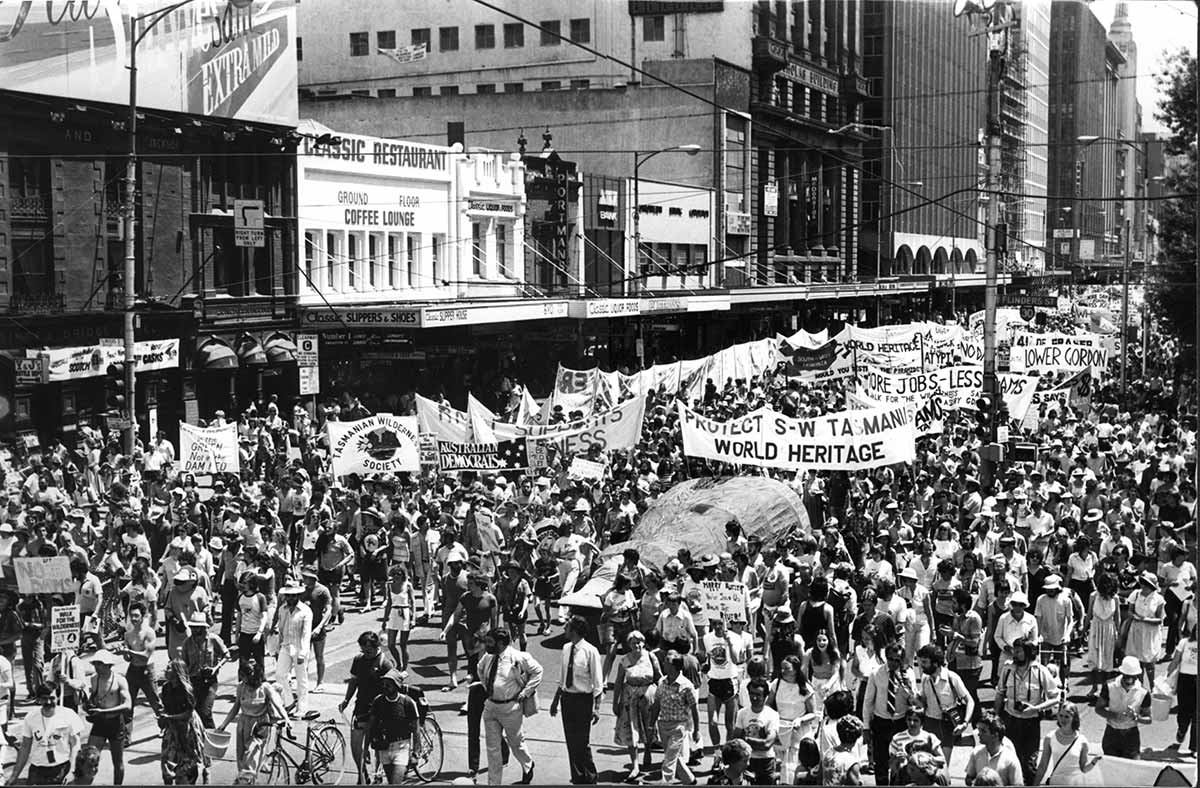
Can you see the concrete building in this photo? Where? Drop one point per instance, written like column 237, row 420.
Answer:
column 1130, row 159
column 1084, row 101
column 1029, row 78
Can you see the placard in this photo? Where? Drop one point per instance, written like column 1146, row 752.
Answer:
column 725, row 599
column 586, row 469
column 44, row 575
column 1053, row 352
column 310, row 381
column 209, row 449
column 486, row 457
column 382, row 443
column 64, row 628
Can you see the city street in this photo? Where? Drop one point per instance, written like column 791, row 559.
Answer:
column 543, row 733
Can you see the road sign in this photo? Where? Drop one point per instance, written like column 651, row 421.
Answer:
column 1064, row 232
column 1087, row 249
column 64, row 628
column 1021, row 299
column 307, row 351
column 310, row 381
column 248, row 228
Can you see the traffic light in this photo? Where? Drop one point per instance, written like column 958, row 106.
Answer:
column 116, row 398
column 985, row 418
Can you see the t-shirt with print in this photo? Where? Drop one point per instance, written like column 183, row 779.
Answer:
column 50, row 736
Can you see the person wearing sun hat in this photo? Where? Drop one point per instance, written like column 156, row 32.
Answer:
column 294, row 627
column 1147, row 611
column 1120, row 705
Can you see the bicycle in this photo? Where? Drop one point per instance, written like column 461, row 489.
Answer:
column 323, row 760
column 425, row 762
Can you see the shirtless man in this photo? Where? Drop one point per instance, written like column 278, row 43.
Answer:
column 106, row 705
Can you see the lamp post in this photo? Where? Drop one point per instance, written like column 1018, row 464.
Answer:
column 639, row 159
column 1127, row 257
column 139, row 26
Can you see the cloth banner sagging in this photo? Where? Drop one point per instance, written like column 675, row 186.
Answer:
column 209, row 449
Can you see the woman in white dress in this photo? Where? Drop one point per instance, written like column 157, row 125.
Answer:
column 794, row 699
column 1102, row 623
column 1065, row 759
column 1147, row 611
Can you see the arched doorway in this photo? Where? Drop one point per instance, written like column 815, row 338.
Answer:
column 924, row 259
column 904, row 261
column 941, row 261
column 956, row 261
column 972, row 261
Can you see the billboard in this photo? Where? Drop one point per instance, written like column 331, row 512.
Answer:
column 215, row 58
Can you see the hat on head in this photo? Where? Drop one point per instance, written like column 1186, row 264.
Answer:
column 292, row 588
column 216, row 543
column 784, row 616
column 77, row 513
column 908, row 573
column 1093, row 516
column 1018, row 598
column 1130, row 667
column 1149, row 578
column 105, row 657
column 308, row 571
column 542, row 481
column 707, row 561
column 186, row 574
column 6, row 528
column 197, row 619
column 1052, row 583
column 582, row 505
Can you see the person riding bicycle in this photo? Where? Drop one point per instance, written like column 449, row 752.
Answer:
column 367, row 672
column 392, row 726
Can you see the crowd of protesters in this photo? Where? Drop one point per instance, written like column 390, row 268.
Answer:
column 921, row 606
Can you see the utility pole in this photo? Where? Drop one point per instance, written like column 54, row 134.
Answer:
column 1124, row 333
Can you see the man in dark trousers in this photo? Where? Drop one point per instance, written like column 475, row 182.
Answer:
column 580, row 690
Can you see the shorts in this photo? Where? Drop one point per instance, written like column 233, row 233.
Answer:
column 48, row 775
column 400, row 619
column 396, row 754
column 721, row 689
column 110, row 727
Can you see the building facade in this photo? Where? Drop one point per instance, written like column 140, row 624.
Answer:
column 203, row 143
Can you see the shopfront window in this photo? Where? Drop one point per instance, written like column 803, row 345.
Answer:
column 435, row 250
column 310, row 256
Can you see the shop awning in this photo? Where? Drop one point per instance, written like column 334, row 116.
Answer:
column 280, row 348
column 250, row 351
column 215, row 354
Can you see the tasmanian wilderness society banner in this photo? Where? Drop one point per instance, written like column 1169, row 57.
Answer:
column 848, row 440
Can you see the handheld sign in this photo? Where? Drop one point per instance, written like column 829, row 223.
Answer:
column 64, row 628
column 44, row 575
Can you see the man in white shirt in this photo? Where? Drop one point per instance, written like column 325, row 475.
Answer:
column 1016, row 623
column 509, row 678
column 727, row 653
column 49, row 739
column 759, row 726
column 580, row 689
column 295, row 639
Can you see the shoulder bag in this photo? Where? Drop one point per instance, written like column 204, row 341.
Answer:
column 1065, row 753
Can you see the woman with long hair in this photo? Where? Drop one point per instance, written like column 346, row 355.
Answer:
column 794, row 699
column 183, row 755
column 256, row 706
column 785, row 641
column 638, row 672
column 865, row 660
column 823, row 667
column 398, row 614
column 1102, row 622
column 969, row 573
column 1065, row 756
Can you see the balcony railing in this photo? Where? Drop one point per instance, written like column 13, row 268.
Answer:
column 30, row 207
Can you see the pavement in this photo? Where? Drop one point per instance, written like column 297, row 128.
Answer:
column 544, row 735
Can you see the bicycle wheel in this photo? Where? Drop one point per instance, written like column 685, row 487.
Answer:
column 430, row 752
column 275, row 770
column 328, row 757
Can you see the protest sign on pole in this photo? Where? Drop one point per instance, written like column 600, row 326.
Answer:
column 847, row 440
column 727, row 600
column 586, row 469
column 208, row 449
column 382, row 443
column 44, row 575
column 64, row 628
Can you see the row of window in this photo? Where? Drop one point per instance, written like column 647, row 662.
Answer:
column 483, row 88
column 357, row 262
column 579, row 31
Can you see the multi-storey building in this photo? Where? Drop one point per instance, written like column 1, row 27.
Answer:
column 207, row 137
column 1130, row 158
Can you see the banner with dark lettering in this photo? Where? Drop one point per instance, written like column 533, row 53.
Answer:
column 485, row 457
column 848, row 440
column 382, row 443
column 208, row 449
column 1054, row 352
column 961, row 386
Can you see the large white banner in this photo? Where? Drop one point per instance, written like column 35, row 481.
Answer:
column 848, row 440
column 575, row 390
column 442, row 421
column 208, row 449
column 961, row 387
column 382, row 443
column 1054, row 352
column 928, row 413
column 618, row 428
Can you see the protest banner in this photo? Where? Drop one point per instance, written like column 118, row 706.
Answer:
column 382, row 443
column 586, row 469
column 44, row 575
column 961, row 387
column 618, row 428
column 64, row 628
column 847, row 440
column 1042, row 404
column 833, row 360
column 928, row 413
column 574, row 390
column 1053, row 352
column 486, row 457
column 209, row 449
column 442, row 421
column 727, row 600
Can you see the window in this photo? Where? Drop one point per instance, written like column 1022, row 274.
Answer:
column 514, row 87
column 372, row 257
column 392, row 252
column 581, row 30
column 386, row 93
column 552, row 84
column 360, row 92
column 580, row 84
column 654, row 28
column 351, row 261
column 477, row 258
column 448, row 39
column 422, row 92
column 502, row 248
column 551, row 31
column 448, row 90
column 435, row 253
column 299, row 48
column 412, row 254
column 310, row 252
column 420, row 37
column 385, row 39
column 360, row 44
column 514, row 36
column 485, row 36
column 487, row 87
column 331, row 260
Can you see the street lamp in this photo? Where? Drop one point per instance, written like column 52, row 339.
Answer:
column 639, row 159
column 147, row 22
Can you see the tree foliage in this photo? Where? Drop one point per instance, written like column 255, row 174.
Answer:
column 1171, row 288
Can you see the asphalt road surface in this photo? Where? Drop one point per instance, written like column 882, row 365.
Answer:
column 543, row 733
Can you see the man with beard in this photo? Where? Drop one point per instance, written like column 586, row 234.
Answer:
column 1026, row 687
column 510, row 677
column 943, row 696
